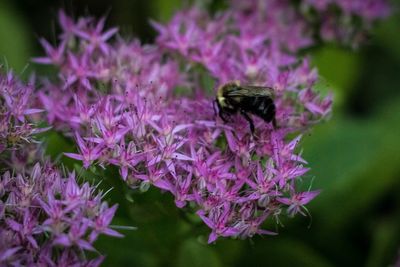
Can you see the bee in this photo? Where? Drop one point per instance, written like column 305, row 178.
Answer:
column 233, row 97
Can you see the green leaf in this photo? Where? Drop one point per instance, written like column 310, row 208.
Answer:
column 15, row 46
column 355, row 163
column 164, row 9
column 283, row 251
column 384, row 239
column 56, row 144
column 339, row 68
column 194, row 254
column 385, row 31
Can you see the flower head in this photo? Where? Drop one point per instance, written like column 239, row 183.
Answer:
column 144, row 108
column 43, row 211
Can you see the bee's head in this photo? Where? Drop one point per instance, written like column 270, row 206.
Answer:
column 226, row 87
column 221, row 100
column 223, row 89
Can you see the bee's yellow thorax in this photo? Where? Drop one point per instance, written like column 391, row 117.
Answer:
column 219, row 93
column 221, row 100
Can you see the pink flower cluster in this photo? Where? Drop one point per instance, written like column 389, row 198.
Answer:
column 15, row 105
column 148, row 109
column 46, row 219
column 145, row 110
column 368, row 10
column 344, row 20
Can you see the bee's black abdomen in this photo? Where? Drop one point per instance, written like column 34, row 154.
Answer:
column 261, row 106
column 246, row 99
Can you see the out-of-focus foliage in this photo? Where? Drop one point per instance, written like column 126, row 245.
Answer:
column 15, row 45
column 355, row 157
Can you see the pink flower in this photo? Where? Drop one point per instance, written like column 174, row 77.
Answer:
column 144, row 108
column 46, row 212
column 89, row 152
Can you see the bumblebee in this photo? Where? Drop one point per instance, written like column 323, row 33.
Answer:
column 233, row 97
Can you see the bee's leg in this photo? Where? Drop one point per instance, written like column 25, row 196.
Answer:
column 251, row 123
column 221, row 112
column 274, row 123
column 222, row 115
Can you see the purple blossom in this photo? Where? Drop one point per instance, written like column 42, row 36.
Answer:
column 181, row 191
column 67, row 25
column 42, row 213
column 126, row 157
column 17, row 128
column 95, row 37
column 55, row 54
column 89, row 151
column 158, row 135
column 78, row 71
column 340, row 25
column 57, row 212
column 251, row 227
column 368, row 10
column 102, row 222
column 297, row 201
column 172, row 142
column 218, row 220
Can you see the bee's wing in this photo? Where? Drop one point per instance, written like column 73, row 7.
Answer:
column 250, row 91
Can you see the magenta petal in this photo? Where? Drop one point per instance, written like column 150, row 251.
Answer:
column 32, row 241
column 308, row 196
column 112, row 232
column 212, row 237
column 266, row 232
column 85, row 245
column 42, row 60
column 32, row 111
column 124, row 172
column 179, row 156
column 14, row 225
column 62, row 240
column 163, row 184
column 4, row 255
column 74, row 156
column 108, row 34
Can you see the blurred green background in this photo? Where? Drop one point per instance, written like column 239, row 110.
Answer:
column 355, row 157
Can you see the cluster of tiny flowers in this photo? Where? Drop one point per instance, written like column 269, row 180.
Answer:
column 345, row 20
column 49, row 220
column 238, row 186
column 367, row 9
column 145, row 109
column 46, row 219
column 15, row 105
